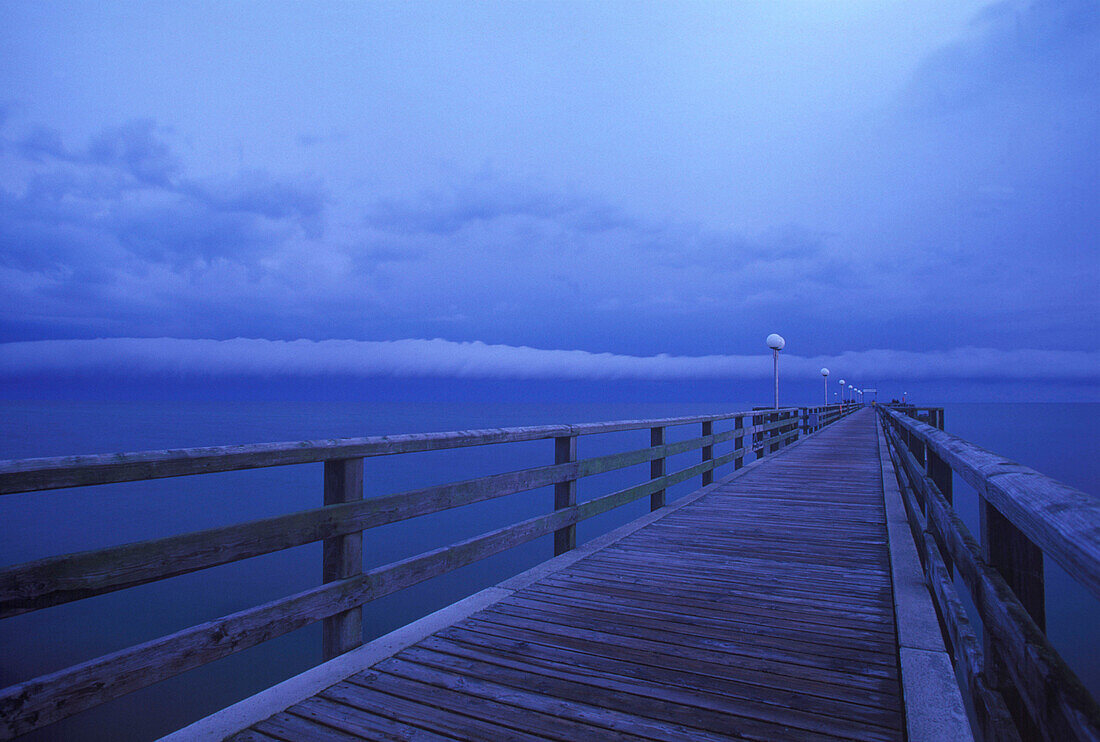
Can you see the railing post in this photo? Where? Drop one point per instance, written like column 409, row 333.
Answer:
column 758, row 437
column 739, row 441
column 941, row 475
column 342, row 557
column 657, row 468
column 565, row 493
column 708, row 453
column 1020, row 562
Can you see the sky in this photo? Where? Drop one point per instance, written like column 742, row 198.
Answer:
column 601, row 190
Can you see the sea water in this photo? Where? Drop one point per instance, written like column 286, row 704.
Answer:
column 1059, row 440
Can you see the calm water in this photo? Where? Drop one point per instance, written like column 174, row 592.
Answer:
column 1059, row 440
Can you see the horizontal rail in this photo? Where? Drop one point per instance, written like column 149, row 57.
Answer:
column 61, row 579
column 32, row 475
column 1054, row 697
column 1063, row 521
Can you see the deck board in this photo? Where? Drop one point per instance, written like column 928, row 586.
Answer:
column 763, row 610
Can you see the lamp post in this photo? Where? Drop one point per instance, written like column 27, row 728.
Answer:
column 825, row 378
column 842, row 391
column 851, row 393
column 776, row 343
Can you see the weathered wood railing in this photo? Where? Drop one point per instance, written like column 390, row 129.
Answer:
column 1019, row 686
column 339, row 524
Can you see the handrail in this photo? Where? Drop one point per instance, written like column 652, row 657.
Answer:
column 30, row 475
column 1018, row 684
column 339, row 524
column 1062, row 520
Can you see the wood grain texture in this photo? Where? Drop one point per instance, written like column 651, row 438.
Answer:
column 1062, row 521
column 763, row 610
column 31, row 475
column 342, row 557
column 61, row 579
column 1054, row 698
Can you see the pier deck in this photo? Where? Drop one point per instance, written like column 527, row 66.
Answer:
column 813, row 593
column 762, row 609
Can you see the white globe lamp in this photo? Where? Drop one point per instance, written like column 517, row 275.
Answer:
column 776, row 343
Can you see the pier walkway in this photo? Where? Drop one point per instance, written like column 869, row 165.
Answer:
column 811, row 594
column 760, row 609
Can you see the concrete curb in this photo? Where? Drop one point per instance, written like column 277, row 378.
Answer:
column 934, row 709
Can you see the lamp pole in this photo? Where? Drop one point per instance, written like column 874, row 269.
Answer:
column 842, row 391
column 776, row 343
column 825, row 378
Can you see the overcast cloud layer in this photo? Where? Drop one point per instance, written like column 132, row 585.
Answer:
column 173, row 357
column 619, row 181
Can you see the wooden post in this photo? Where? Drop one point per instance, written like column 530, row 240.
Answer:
column 760, row 437
column 941, row 475
column 739, row 441
column 708, row 453
column 342, row 557
column 657, row 468
column 1020, row 562
column 565, row 493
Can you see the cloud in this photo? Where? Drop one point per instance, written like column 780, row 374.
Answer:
column 116, row 234
column 174, row 357
column 118, row 238
column 1016, row 47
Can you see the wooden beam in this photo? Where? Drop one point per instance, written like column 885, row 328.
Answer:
column 31, row 475
column 61, row 579
column 1060, row 520
column 342, row 557
column 657, row 468
column 708, row 452
column 565, row 494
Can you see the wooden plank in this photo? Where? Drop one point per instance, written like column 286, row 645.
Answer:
column 699, row 713
column 391, row 701
column 764, row 619
column 788, row 642
column 732, row 656
column 548, row 712
column 289, row 727
column 724, row 694
column 761, row 674
column 362, row 724
column 669, row 633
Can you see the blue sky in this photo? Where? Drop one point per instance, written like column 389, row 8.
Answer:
column 890, row 184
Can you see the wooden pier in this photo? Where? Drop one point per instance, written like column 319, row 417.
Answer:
column 804, row 596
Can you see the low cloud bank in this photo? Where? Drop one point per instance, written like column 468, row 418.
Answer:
column 176, row 357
